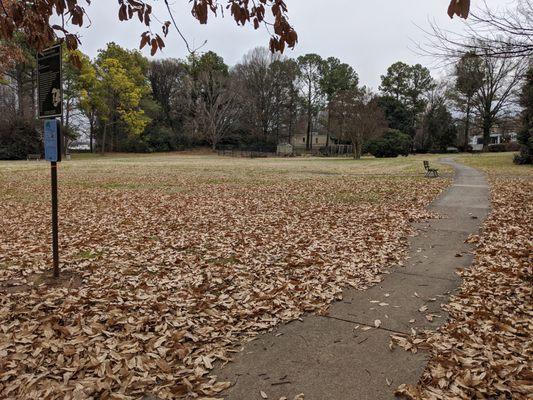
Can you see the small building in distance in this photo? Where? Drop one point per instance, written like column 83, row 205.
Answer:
column 299, row 141
column 285, row 149
column 320, row 141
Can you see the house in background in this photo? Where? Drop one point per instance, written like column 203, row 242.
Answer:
column 476, row 141
column 321, row 142
column 504, row 131
column 318, row 140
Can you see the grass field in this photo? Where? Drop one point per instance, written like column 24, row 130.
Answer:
column 496, row 164
column 171, row 261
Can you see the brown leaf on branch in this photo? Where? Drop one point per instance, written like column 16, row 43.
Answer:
column 461, row 8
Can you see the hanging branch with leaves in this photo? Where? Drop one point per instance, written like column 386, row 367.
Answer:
column 34, row 20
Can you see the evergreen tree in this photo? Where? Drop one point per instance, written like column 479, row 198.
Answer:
column 525, row 136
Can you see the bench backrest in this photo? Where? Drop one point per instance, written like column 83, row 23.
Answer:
column 34, row 157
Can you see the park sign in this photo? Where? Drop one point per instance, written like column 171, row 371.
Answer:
column 52, row 140
column 49, row 82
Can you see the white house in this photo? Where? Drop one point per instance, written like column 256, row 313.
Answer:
column 495, row 138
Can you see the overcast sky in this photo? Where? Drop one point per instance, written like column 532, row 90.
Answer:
column 370, row 35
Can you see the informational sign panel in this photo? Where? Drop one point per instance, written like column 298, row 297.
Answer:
column 52, row 140
column 49, row 77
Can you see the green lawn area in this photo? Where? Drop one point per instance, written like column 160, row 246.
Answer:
column 497, row 163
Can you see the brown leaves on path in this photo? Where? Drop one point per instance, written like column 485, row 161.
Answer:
column 486, row 348
column 179, row 267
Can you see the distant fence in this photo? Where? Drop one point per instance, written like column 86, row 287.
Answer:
column 257, row 152
column 246, row 153
column 335, row 150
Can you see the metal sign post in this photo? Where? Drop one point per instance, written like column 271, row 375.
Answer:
column 50, row 90
column 52, row 153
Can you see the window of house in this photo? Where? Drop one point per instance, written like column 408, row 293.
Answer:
column 479, row 140
column 304, row 140
column 316, row 140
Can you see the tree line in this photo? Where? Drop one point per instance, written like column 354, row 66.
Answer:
column 494, row 54
column 123, row 102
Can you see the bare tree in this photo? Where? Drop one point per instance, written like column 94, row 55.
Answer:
column 216, row 107
column 501, row 77
column 358, row 117
column 257, row 85
column 503, row 33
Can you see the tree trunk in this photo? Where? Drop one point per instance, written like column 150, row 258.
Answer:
column 91, row 134
column 290, row 128
column 102, row 149
column 487, row 125
column 467, row 125
column 329, row 127
column 308, row 144
column 20, row 91
column 358, row 148
column 33, row 93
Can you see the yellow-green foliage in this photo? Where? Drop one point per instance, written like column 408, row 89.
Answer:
column 125, row 93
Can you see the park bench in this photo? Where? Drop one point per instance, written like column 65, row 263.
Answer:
column 430, row 171
column 35, row 157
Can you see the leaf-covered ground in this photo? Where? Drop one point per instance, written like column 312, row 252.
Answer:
column 175, row 261
column 486, row 348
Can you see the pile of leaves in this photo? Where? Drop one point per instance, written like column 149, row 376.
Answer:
column 177, row 268
column 486, row 348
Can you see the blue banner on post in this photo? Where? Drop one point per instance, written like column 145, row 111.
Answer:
column 52, row 149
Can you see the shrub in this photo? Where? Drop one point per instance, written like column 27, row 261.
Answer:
column 19, row 138
column 392, row 144
column 157, row 139
column 512, row 146
column 497, row 148
column 523, row 158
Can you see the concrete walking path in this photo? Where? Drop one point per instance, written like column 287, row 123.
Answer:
column 327, row 359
